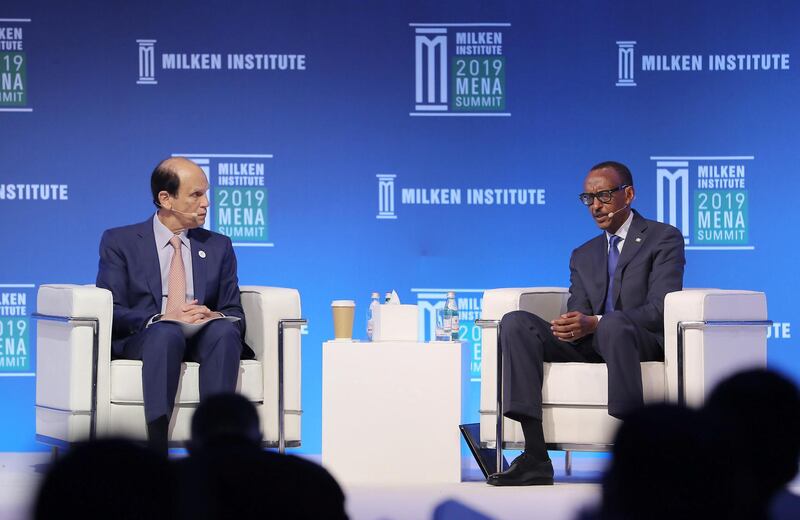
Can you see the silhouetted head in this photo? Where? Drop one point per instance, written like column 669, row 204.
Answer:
column 225, row 416
column 658, row 469
column 757, row 416
column 106, row 479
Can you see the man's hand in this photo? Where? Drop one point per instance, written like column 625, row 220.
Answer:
column 572, row 326
column 191, row 313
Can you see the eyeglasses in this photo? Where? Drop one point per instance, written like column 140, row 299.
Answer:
column 603, row 196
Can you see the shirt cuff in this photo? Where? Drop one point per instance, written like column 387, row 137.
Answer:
column 153, row 317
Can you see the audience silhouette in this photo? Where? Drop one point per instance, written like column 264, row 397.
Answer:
column 730, row 459
column 661, row 467
column 228, row 475
column 109, row 478
column 756, row 415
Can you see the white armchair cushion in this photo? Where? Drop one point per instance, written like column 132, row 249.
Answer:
column 126, row 382
column 586, row 384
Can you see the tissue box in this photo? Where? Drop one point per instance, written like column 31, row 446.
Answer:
column 395, row 322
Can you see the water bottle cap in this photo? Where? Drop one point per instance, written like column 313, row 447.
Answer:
column 451, row 294
column 376, row 295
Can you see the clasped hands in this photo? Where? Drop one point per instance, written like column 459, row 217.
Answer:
column 191, row 312
column 573, row 325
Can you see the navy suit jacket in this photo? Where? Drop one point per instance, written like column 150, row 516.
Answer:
column 129, row 268
column 650, row 266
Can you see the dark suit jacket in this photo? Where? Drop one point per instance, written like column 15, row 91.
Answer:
column 129, row 269
column 650, row 266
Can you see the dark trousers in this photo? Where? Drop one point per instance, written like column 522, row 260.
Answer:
column 528, row 343
column 162, row 347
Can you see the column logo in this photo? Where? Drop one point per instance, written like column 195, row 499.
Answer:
column 14, row 66
column 386, row 196
column 431, row 50
column 460, row 69
column 706, row 198
column 147, row 62
column 238, row 195
column 626, row 57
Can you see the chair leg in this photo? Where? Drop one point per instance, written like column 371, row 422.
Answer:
column 281, row 392
column 281, row 402
column 568, row 462
column 53, row 454
column 499, row 420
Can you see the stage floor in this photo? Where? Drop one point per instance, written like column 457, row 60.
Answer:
column 20, row 474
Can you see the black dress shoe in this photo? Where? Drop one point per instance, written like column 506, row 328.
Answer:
column 524, row 471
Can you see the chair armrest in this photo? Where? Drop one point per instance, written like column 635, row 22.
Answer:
column 65, row 349
column 71, row 300
column 263, row 308
column 712, row 353
column 546, row 302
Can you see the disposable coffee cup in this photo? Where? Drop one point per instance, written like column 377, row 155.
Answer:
column 343, row 315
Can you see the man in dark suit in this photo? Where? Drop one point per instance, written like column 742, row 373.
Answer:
column 170, row 268
column 618, row 281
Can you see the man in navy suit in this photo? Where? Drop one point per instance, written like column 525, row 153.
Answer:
column 151, row 284
column 618, row 281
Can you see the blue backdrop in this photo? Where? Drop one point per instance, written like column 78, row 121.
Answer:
column 359, row 146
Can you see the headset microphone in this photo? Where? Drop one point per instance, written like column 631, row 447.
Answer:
column 193, row 215
column 611, row 214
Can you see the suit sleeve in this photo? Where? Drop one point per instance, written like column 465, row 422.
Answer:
column 112, row 274
column 666, row 276
column 230, row 302
column 578, row 298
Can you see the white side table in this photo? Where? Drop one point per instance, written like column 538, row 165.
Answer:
column 391, row 410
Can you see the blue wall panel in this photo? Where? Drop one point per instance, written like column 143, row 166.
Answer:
column 95, row 114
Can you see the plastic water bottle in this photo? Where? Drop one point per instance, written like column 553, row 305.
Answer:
column 387, row 297
column 371, row 314
column 451, row 317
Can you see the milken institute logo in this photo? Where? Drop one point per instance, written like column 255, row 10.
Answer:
column 460, row 69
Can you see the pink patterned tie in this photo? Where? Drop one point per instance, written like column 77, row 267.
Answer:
column 176, row 279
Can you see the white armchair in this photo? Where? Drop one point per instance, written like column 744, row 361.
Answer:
column 709, row 334
column 82, row 393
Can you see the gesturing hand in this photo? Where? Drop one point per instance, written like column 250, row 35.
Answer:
column 573, row 325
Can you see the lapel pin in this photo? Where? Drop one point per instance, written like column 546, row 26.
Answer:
column 638, row 239
column 201, row 254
